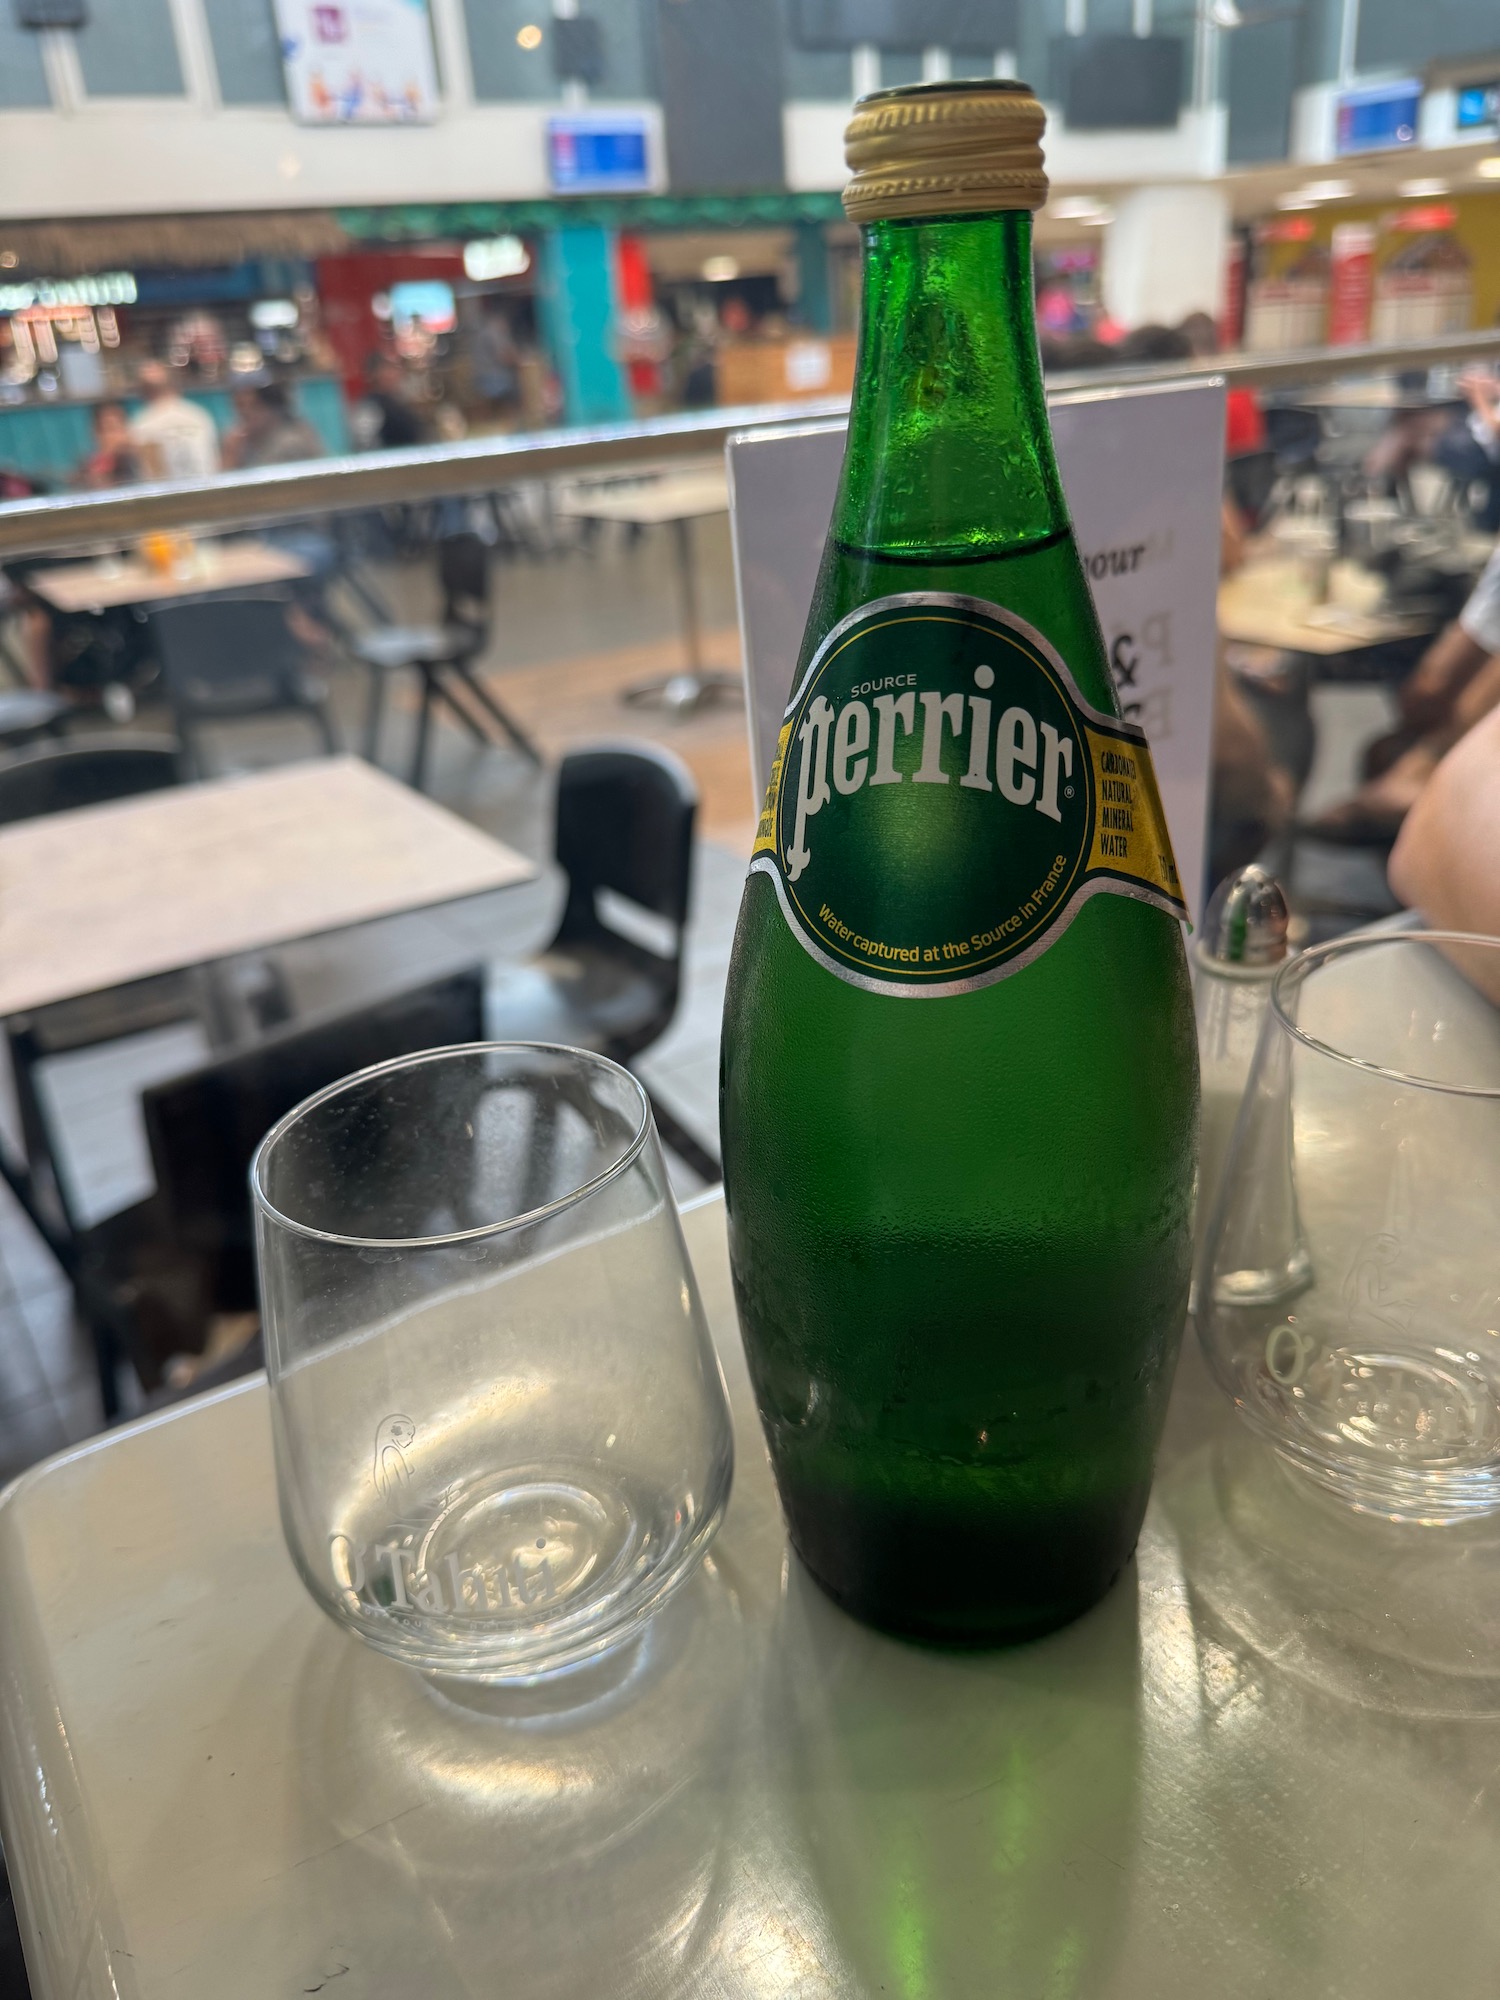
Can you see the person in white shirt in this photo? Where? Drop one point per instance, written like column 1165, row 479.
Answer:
column 176, row 439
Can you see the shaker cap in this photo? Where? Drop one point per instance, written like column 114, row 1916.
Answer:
column 1246, row 921
column 945, row 149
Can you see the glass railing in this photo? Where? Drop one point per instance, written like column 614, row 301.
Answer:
column 478, row 465
column 1357, row 499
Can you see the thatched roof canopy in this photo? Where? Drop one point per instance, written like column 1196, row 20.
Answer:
column 73, row 247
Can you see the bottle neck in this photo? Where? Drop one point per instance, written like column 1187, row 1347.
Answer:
column 950, row 452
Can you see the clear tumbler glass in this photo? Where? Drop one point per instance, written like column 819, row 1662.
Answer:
column 501, row 1433
column 1348, row 1290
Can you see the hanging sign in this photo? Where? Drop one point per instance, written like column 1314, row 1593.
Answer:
column 1351, row 292
column 358, row 62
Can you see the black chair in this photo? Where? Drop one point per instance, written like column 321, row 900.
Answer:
column 443, row 657
column 1295, row 436
column 230, row 659
column 54, row 778
column 149, row 1279
column 86, row 771
column 625, row 818
column 1250, row 480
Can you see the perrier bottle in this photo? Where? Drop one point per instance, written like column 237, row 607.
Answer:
column 959, row 1084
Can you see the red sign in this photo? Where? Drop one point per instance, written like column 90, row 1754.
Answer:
column 1285, row 229
column 1351, row 297
column 1420, row 221
column 1232, row 307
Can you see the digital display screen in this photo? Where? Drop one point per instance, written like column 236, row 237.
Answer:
column 1478, row 105
column 1374, row 120
column 426, row 301
column 598, row 155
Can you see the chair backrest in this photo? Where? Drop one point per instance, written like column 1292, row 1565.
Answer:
column 85, row 772
column 464, row 573
column 1294, row 434
column 227, row 653
column 1251, row 479
column 625, row 816
column 203, row 1128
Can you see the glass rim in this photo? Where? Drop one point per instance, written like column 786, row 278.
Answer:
column 527, row 1219
column 1303, row 963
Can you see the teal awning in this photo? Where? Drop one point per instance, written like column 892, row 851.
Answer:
column 774, row 209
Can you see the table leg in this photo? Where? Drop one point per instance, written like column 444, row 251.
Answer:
column 374, row 714
column 693, row 684
column 687, row 577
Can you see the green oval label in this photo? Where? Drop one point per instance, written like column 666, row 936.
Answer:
column 943, row 799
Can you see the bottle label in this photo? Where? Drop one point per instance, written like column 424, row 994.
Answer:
column 943, row 799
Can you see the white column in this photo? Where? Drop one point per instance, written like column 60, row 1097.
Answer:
column 448, row 32
column 575, row 92
column 865, row 69
column 1164, row 254
column 937, row 65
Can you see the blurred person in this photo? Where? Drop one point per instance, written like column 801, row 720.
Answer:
column 176, row 439
column 114, row 460
column 1454, row 686
column 1201, row 334
column 1419, row 431
column 1446, row 861
column 693, row 364
column 1251, row 795
column 1468, row 449
column 396, row 421
column 1064, row 353
column 1148, row 344
column 1244, row 421
column 1056, row 311
column 269, row 430
column 497, row 361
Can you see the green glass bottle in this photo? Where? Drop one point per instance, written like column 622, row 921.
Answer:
column 959, row 1082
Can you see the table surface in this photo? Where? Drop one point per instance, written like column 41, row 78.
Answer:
column 675, row 497
column 1262, row 1766
column 128, row 579
column 93, row 898
column 1269, row 602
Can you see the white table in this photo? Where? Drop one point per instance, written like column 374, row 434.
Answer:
column 675, row 500
column 96, row 897
column 1261, row 1767
column 110, row 581
column 1270, row 602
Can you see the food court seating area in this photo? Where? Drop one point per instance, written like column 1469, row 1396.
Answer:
column 133, row 1111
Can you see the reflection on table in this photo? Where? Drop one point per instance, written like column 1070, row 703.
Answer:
column 1256, row 1768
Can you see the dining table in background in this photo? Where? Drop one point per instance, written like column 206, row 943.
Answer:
column 104, row 895
column 674, row 500
column 1273, row 601
column 110, row 582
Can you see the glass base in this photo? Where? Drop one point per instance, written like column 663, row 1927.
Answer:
column 515, row 1575
column 1378, row 1613
column 1412, row 1436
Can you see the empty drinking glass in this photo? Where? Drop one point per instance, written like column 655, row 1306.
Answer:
column 501, row 1433
column 1348, row 1290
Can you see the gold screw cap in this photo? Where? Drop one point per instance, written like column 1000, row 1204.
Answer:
column 945, row 149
